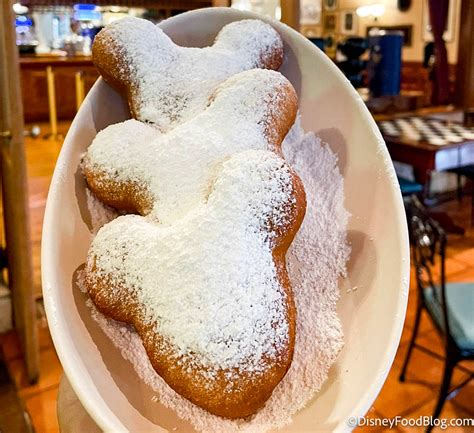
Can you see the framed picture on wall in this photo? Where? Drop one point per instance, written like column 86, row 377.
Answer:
column 450, row 29
column 329, row 24
column 310, row 12
column 330, row 5
column 348, row 22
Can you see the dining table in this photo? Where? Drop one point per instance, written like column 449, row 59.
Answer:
column 428, row 144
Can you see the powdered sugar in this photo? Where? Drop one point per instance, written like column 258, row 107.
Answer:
column 208, row 282
column 171, row 84
column 99, row 212
column 316, row 259
column 175, row 168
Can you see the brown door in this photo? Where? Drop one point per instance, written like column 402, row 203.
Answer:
column 14, row 189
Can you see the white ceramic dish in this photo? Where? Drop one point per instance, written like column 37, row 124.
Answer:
column 372, row 316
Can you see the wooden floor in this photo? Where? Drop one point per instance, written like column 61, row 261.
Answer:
column 412, row 399
column 41, row 155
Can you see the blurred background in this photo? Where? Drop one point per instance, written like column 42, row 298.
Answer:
column 412, row 62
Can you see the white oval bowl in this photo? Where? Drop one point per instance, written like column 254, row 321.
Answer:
column 372, row 317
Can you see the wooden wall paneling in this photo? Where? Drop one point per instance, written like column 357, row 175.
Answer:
column 14, row 188
column 34, row 94
column 221, row 3
column 65, row 91
column 90, row 77
column 35, row 90
column 465, row 66
column 415, row 77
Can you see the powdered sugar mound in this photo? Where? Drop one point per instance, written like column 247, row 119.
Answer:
column 171, row 84
column 99, row 212
column 315, row 261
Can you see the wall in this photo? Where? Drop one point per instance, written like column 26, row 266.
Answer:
column 392, row 16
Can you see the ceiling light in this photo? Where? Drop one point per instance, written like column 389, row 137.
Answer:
column 363, row 11
column 19, row 9
column 375, row 10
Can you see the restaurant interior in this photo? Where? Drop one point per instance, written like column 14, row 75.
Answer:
column 411, row 63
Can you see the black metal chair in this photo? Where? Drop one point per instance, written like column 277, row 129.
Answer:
column 450, row 306
column 468, row 172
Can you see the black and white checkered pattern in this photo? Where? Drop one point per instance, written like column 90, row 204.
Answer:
column 427, row 130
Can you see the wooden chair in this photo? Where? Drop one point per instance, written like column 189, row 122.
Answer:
column 450, row 306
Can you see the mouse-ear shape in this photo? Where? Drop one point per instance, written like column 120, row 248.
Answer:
column 261, row 185
column 116, row 184
column 122, row 48
column 255, row 40
column 261, row 97
column 166, row 84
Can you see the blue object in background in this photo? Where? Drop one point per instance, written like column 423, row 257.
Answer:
column 385, row 62
column 319, row 42
column 353, row 67
column 23, row 20
column 86, row 12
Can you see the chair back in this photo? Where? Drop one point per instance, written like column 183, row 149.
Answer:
column 428, row 241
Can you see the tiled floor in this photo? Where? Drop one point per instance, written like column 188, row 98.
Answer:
column 416, row 397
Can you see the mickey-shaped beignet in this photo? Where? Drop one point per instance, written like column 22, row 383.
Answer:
column 129, row 169
column 209, row 294
column 166, row 84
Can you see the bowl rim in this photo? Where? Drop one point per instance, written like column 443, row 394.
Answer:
column 106, row 419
